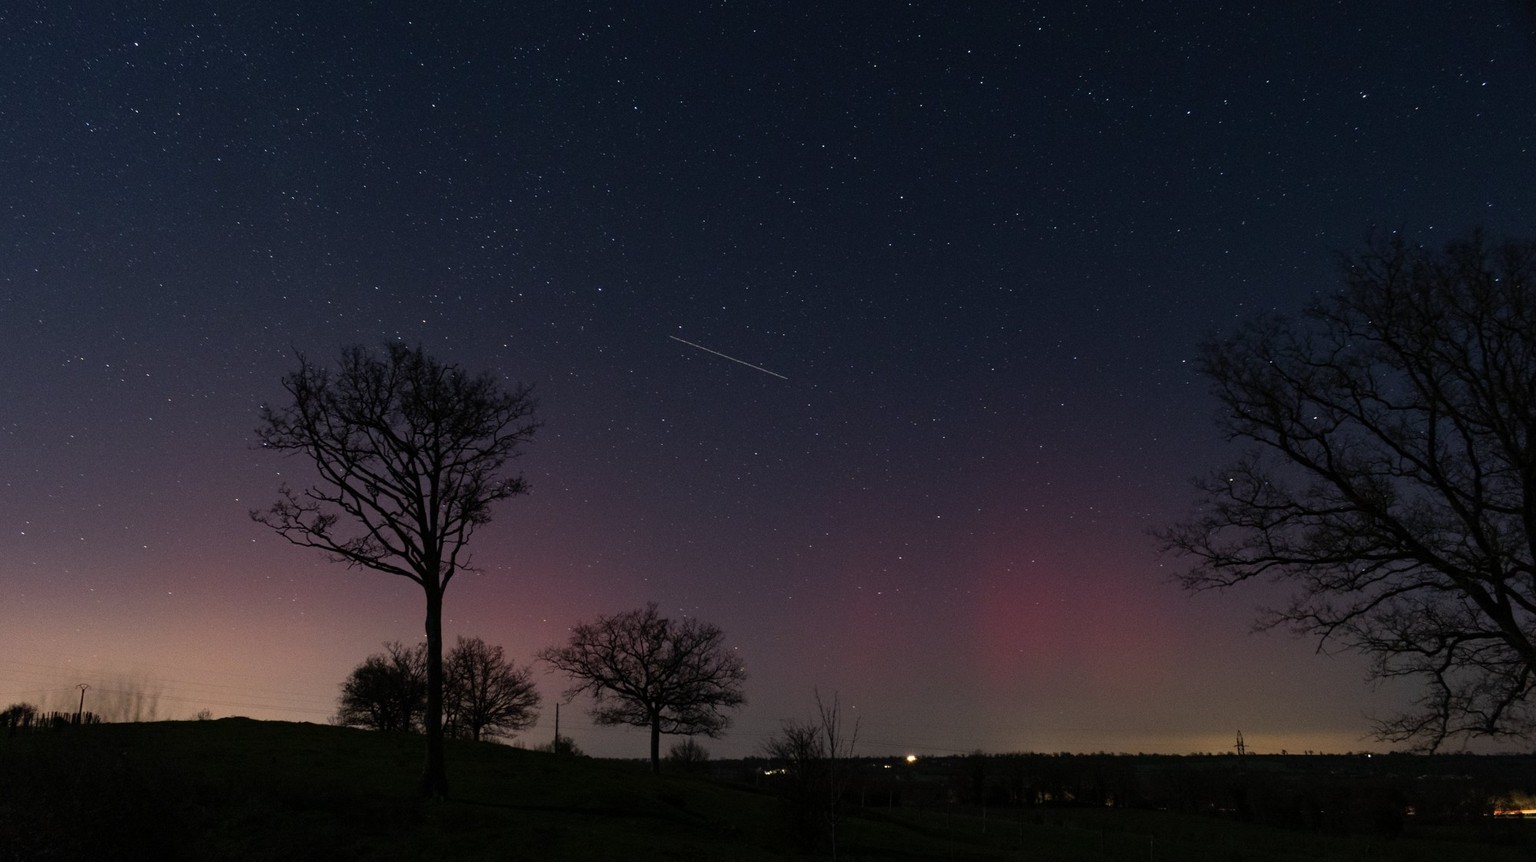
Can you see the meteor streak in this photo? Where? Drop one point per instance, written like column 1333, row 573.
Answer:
column 732, row 358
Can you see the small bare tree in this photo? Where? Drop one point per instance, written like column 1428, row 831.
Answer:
column 126, row 697
column 1391, row 477
column 688, row 755
column 645, row 670
column 816, row 756
column 410, row 453
column 484, row 694
column 388, row 691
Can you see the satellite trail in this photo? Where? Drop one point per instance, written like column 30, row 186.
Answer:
column 732, row 358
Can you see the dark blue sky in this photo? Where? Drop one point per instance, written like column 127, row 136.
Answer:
column 981, row 242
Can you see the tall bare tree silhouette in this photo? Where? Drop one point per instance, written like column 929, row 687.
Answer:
column 1390, row 477
column 410, row 454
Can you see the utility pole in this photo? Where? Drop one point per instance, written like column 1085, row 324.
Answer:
column 81, row 711
column 556, row 747
column 1241, row 748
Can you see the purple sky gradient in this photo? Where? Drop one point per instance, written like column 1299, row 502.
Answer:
column 981, row 243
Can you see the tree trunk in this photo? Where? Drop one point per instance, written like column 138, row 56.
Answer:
column 656, row 745
column 434, row 777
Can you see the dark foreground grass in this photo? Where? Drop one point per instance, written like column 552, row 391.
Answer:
column 245, row 790
column 240, row 789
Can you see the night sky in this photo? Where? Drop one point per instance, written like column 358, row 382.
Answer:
column 976, row 244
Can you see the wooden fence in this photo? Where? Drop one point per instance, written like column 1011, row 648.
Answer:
column 14, row 721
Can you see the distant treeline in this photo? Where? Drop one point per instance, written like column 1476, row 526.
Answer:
column 24, row 717
column 1329, row 793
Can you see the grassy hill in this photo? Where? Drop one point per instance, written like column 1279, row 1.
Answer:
column 237, row 789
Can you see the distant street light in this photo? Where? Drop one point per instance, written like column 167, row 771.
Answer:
column 78, row 712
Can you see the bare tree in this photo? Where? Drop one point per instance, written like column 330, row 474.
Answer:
column 120, row 697
column 839, row 740
column 484, row 694
column 800, row 779
column 410, row 453
column 388, row 691
column 18, row 716
column 642, row 669
column 815, row 758
column 688, row 755
column 1391, row 477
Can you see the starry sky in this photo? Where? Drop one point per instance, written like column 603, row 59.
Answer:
column 976, row 244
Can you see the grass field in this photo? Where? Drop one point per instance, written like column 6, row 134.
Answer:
column 237, row 789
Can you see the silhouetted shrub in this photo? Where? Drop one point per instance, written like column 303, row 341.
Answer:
column 688, row 756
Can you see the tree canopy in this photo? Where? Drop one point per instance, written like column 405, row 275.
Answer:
column 646, row 670
column 1389, row 477
column 388, row 691
column 410, row 454
column 484, row 694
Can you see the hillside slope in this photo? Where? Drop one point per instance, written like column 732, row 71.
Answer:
column 237, row 789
